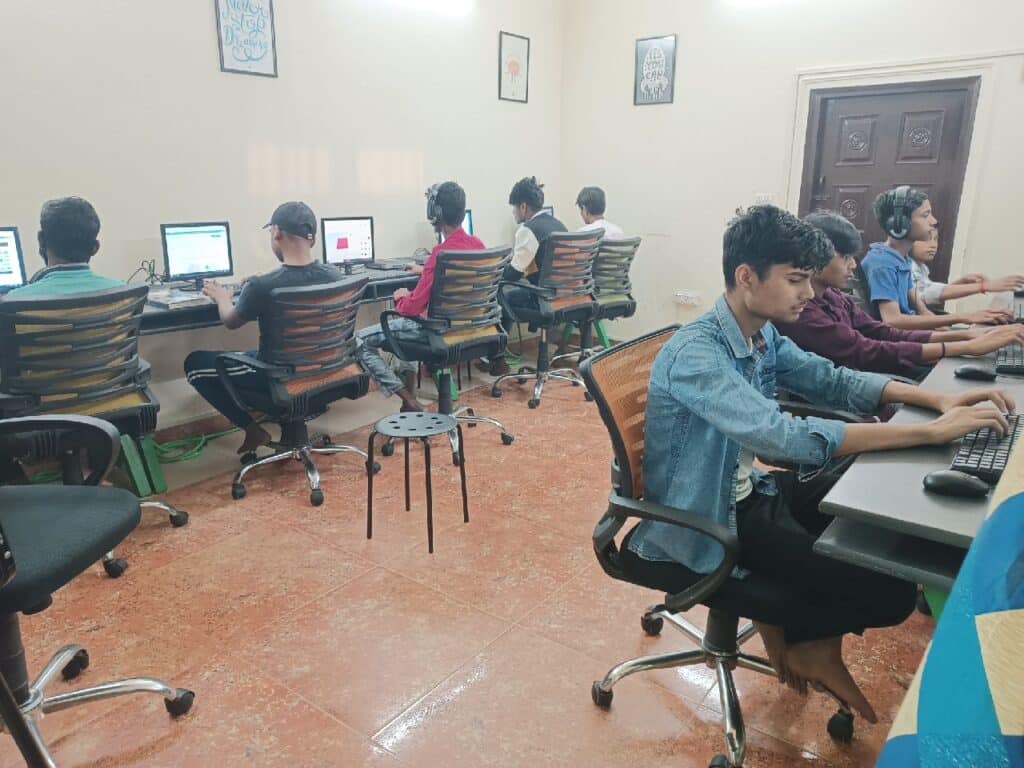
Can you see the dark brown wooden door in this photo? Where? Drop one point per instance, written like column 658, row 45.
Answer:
column 864, row 140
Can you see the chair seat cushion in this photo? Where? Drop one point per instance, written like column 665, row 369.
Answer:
column 56, row 532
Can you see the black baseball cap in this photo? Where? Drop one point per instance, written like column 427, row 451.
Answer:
column 295, row 218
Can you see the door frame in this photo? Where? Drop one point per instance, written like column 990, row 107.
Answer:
column 920, row 71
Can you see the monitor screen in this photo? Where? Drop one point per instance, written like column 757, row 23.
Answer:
column 347, row 240
column 548, row 209
column 198, row 250
column 467, row 223
column 12, row 263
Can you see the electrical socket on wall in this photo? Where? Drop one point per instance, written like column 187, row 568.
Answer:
column 764, row 198
column 687, row 298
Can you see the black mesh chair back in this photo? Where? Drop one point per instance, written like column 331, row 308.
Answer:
column 566, row 272
column 612, row 285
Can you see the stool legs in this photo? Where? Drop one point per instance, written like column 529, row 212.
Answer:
column 430, row 497
column 462, row 475
column 408, row 506
column 369, row 484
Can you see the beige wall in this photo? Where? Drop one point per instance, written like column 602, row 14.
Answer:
column 675, row 173
column 123, row 102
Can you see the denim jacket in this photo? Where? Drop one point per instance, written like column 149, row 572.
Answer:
column 711, row 394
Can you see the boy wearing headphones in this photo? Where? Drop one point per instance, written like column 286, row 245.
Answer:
column 68, row 231
column 905, row 214
column 446, row 209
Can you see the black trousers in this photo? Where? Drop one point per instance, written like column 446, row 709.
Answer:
column 809, row 595
column 201, row 374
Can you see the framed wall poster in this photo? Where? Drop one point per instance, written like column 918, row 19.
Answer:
column 513, row 67
column 245, row 34
column 654, row 80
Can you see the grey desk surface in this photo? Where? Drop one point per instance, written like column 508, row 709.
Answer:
column 885, row 490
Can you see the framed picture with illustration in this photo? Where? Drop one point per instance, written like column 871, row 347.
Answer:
column 245, row 33
column 513, row 67
column 654, row 80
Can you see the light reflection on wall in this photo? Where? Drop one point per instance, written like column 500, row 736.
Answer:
column 277, row 170
column 384, row 172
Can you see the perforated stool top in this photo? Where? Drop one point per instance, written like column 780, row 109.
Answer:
column 415, row 425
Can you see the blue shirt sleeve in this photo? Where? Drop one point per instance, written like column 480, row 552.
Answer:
column 884, row 284
column 823, row 383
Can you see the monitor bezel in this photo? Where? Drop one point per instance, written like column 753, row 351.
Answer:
column 21, row 260
column 469, row 215
column 196, row 275
column 323, row 240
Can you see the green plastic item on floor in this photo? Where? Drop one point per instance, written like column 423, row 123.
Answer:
column 132, row 474
column 936, row 600
column 602, row 335
column 151, row 461
column 451, row 380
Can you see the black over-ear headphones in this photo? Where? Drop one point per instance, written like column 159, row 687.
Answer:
column 897, row 224
column 434, row 211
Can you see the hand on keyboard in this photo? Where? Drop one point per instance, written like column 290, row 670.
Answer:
column 216, row 291
column 995, row 338
column 965, row 419
column 416, row 269
column 989, row 317
column 997, row 396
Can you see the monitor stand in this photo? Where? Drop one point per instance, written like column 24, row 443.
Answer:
column 195, row 286
column 347, row 266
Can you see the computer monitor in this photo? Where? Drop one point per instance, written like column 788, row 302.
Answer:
column 12, row 262
column 197, row 250
column 347, row 240
column 467, row 223
column 548, row 209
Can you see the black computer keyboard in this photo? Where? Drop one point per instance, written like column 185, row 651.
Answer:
column 984, row 454
column 1010, row 359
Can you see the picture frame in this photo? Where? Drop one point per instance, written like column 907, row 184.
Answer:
column 654, row 79
column 513, row 67
column 245, row 37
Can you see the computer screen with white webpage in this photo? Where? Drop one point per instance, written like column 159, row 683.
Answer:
column 197, row 250
column 12, row 262
column 347, row 240
column 548, row 209
column 467, row 223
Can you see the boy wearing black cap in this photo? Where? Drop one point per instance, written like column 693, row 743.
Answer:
column 292, row 237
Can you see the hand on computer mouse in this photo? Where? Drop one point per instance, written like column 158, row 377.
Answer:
column 416, row 269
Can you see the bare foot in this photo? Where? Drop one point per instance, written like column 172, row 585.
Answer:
column 409, row 403
column 774, row 639
column 821, row 663
column 255, row 436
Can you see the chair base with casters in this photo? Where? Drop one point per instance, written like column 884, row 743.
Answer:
column 54, row 533
column 719, row 648
column 541, row 373
column 295, row 444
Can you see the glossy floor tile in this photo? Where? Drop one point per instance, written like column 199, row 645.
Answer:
column 308, row 644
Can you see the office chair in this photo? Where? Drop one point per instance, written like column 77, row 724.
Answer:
column 463, row 323
column 307, row 362
column 612, row 287
column 618, row 380
column 49, row 534
column 563, row 293
column 78, row 354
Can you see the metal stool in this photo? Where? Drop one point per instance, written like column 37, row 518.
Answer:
column 419, row 426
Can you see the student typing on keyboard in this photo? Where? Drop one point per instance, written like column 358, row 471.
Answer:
column 446, row 208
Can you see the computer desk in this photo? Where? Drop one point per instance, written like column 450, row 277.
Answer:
column 159, row 320
column 887, row 522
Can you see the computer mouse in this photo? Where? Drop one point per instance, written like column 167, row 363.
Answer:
column 950, row 482
column 974, row 371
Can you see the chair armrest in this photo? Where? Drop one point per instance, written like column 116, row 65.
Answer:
column 221, row 364
column 623, row 506
column 808, row 409
column 55, row 435
column 428, row 324
column 546, row 293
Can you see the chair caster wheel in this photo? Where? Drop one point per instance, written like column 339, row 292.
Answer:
column 376, row 467
column 652, row 624
column 922, row 604
column 180, row 704
column 388, row 449
column 325, row 440
column 840, row 726
column 601, row 697
column 316, row 497
column 588, row 397
column 533, row 402
column 520, row 382
column 506, row 438
column 237, row 491
column 719, row 761
column 78, row 664
column 178, row 518
column 115, row 567
column 248, row 458
column 495, row 392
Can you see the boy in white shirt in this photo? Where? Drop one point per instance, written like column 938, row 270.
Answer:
column 591, row 202
column 922, row 253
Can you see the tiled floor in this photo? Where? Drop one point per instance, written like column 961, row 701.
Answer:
column 308, row 645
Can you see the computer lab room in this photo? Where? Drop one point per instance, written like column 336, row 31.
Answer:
column 475, row 384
